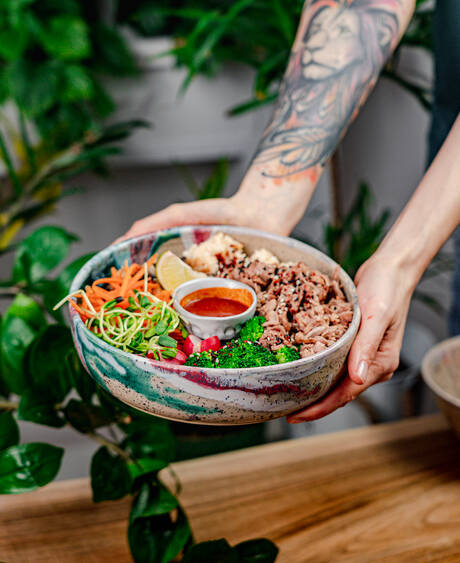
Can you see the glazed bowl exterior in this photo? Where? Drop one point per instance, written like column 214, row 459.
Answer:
column 223, row 327
column 206, row 395
column 441, row 372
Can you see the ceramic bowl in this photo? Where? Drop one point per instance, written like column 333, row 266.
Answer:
column 441, row 372
column 203, row 395
column 204, row 327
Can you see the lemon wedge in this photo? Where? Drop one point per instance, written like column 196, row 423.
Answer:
column 171, row 271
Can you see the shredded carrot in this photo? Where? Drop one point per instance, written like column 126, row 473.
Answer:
column 102, row 293
column 152, row 260
column 123, row 283
column 84, row 314
column 110, row 281
column 163, row 295
column 137, row 277
column 133, row 268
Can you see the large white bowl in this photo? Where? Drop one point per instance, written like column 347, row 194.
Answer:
column 204, row 395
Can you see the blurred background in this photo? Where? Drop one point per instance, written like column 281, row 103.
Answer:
column 185, row 89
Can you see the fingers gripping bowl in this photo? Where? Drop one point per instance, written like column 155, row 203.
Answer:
column 215, row 396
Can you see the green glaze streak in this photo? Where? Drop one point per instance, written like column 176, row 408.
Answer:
column 172, row 390
column 139, row 381
column 192, row 409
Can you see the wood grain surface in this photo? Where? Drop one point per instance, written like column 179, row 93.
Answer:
column 388, row 493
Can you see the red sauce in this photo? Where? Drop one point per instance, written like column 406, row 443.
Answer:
column 217, row 302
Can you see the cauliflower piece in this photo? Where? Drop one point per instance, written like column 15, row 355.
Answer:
column 265, row 256
column 203, row 257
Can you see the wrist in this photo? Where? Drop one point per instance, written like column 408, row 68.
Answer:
column 257, row 212
column 274, row 204
column 402, row 260
column 384, row 281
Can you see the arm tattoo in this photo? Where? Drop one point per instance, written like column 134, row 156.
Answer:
column 335, row 62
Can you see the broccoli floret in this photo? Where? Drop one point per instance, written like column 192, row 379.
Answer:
column 235, row 354
column 244, row 354
column 287, row 354
column 201, row 360
column 253, row 329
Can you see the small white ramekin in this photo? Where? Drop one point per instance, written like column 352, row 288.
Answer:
column 204, row 327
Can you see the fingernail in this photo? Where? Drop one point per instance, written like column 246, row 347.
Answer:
column 362, row 371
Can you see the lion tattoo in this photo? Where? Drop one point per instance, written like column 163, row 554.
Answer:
column 338, row 60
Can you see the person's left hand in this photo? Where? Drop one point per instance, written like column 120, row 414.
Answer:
column 384, row 293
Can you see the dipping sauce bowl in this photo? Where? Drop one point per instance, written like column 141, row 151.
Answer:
column 211, row 291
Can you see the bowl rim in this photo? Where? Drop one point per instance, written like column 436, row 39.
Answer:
column 428, row 360
column 350, row 333
column 224, row 320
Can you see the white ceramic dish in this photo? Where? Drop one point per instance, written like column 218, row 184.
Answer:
column 204, row 327
column 441, row 372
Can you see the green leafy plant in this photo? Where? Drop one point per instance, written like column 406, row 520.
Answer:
column 39, row 369
column 42, row 380
column 36, row 176
column 219, row 551
column 52, row 57
column 257, row 33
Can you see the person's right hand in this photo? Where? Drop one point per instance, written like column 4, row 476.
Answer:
column 384, row 291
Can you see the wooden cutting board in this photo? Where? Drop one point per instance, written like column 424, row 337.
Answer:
column 387, row 493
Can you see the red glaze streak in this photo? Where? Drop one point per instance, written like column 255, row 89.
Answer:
column 202, row 379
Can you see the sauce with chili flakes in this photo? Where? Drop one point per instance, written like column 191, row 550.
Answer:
column 217, row 302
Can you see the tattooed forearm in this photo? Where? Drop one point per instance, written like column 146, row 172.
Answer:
column 340, row 49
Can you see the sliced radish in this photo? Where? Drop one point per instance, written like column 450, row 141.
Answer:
column 178, row 360
column 192, row 344
column 211, row 343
